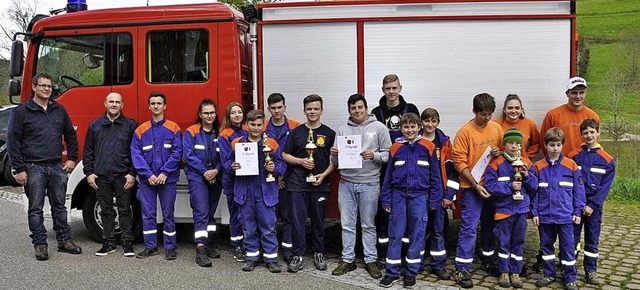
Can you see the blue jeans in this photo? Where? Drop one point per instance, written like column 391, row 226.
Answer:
column 362, row 198
column 51, row 181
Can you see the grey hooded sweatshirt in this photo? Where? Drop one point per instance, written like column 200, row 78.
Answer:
column 375, row 137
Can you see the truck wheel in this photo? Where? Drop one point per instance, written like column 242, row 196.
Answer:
column 93, row 220
column 8, row 173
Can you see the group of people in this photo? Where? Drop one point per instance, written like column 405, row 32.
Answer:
column 410, row 172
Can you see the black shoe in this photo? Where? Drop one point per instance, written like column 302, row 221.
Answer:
column 41, row 252
column 491, row 268
column 409, row 282
column 212, row 253
column 70, row 248
column 538, row 266
column 238, row 254
column 463, row 279
column 319, row 262
column 372, row 269
column 296, row 264
column 170, row 255
column 545, row 281
column 287, row 259
column 202, row 258
column 107, row 248
column 442, row 274
column 387, row 281
column 571, row 286
column 274, row 267
column 146, row 253
column 344, row 268
column 525, row 271
column 248, row 266
column 127, row 248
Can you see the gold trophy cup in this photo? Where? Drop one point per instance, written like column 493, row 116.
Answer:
column 517, row 166
column 267, row 155
column 310, row 147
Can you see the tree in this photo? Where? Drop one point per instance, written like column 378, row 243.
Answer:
column 239, row 3
column 16, row 19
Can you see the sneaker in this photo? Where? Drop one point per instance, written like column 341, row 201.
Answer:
column 107, row 248
column 70, row 248
column 463, row 279
column 571, row 286
column 170, row 255
column 296, row 264
column 41, row 252
column 387, row 281
column 146, row 253
column 239, row 253
column 212, row 253
column 442, row 274
column 592, row 278
column 409, row 282
column 202, row 258
column 248, row 266
column 127, row 248
column 319, row 262
column 372, row 269
column 504, row 280
column 545, row 281
column 274, row 267
column 287, row 258
column 516, row 282
column 491, row 268
column 344, row 268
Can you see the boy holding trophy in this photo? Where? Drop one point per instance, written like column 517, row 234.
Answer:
column 511, row 185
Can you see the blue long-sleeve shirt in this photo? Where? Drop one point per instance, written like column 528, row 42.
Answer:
column 598, row 170
column 200, row 153
column 157, row 148
column 107, row 147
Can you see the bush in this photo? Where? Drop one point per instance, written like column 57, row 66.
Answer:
column 583, row 57
column 625, row 189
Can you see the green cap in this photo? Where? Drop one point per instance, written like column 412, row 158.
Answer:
column 512, row 135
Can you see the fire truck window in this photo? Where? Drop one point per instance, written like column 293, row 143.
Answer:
column 124, row 66
column 72, row 61
column 177, row 56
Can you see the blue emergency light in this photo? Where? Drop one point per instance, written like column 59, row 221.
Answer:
column 76, row 5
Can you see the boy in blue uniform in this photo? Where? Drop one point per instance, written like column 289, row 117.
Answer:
column 257, row 196
column 557, row 205
column 156, row 150
column 412, row 180
column 511, row 198
column 598, row 169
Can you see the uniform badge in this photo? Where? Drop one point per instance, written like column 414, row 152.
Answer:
column 320, row 139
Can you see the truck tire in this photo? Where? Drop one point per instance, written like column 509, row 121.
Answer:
column 8, row 173
column 93, row 221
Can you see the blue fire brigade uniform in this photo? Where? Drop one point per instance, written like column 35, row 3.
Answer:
column 200, row 154
column 226, row 153
column 559, row 196
column 412, row 180
column 598, row 169
column 257, row 199
column 281, row 134
column 157, row 148
column 511, row 214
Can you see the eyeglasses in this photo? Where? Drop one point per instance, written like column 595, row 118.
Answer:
column 44, row 86
column 208, row 113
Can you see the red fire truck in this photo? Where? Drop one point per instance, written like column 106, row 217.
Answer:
column 445, row 52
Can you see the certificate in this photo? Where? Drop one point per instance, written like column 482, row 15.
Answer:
column 478, row 169
column 247, row 156
column 349, row 149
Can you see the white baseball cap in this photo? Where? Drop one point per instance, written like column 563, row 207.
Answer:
column 576, row 81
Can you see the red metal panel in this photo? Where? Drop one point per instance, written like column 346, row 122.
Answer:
column 360, row 48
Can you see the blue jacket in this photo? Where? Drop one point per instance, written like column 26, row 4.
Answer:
column 413, row 170
column 598, row 170
column 226, row 153
column 35, row 136
column 157, row 148
column 244, row 185
column 200, row 154
column 498, row 180
column 282, row 137
column 450, row 176
column 107, row 147
column 559, row 192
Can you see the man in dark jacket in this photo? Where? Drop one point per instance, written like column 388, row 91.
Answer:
column 107, row 164
column 36, row 131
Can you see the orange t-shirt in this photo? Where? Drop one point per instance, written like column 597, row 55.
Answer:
column 471, row 142
column 530, row 134
column 569, row 121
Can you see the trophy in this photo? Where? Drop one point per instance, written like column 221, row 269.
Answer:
column 311, row 145
column 518, row 165
column 267, row 155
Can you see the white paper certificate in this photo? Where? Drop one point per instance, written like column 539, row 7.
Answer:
column 349, row 149
column 247, row 156
column 478, row 169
